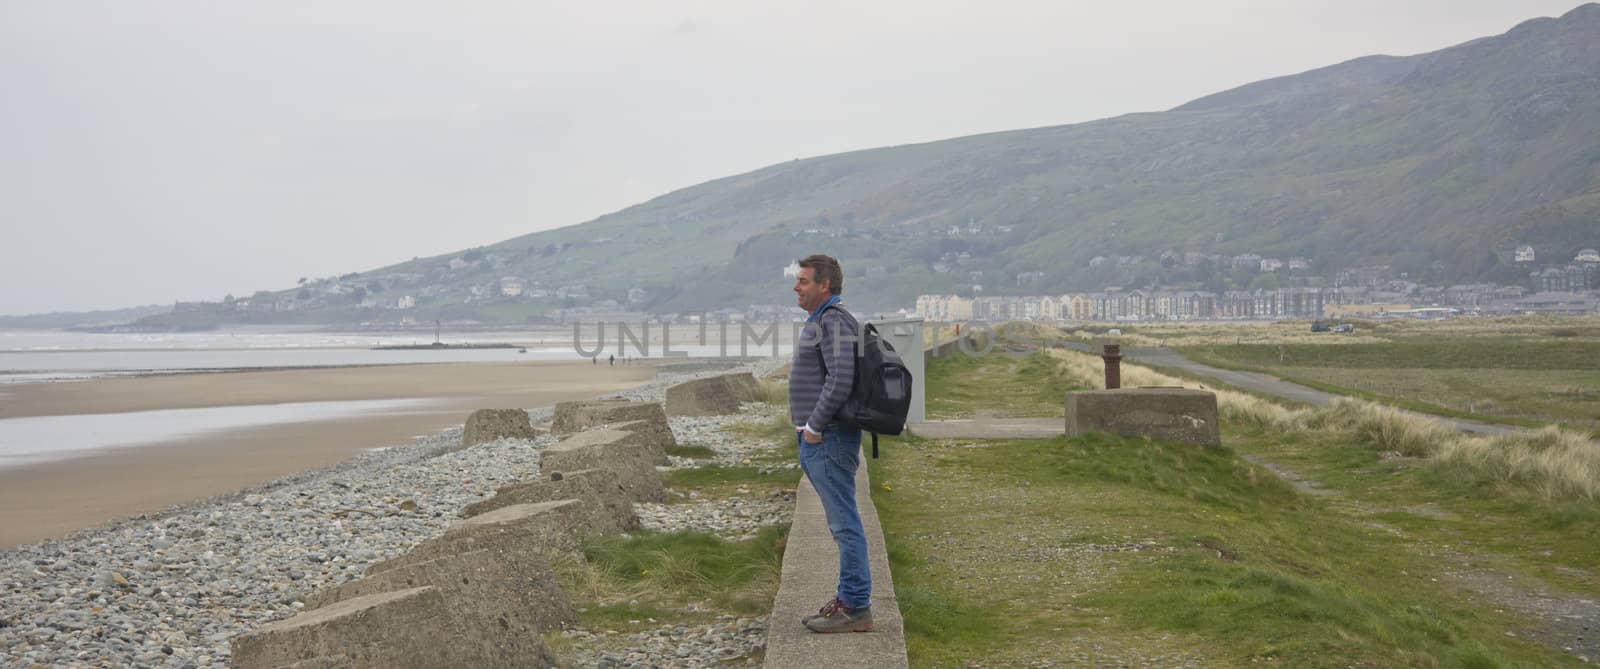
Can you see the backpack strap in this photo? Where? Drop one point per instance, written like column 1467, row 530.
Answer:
column 874, row 445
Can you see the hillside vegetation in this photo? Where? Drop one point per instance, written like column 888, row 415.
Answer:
column 1437, row 164
column 1454, row 156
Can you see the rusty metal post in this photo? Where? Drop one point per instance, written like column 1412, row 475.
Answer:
column 1113, row 358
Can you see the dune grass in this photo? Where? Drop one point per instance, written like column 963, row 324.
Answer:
column 1552, row 464
column 1115, row 550
column 1121, row 550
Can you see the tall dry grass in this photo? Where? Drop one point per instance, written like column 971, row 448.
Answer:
column 1555, row 464
column 775, row 392
column 1382, row 428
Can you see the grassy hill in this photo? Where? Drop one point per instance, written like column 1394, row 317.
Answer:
column 1438, row 164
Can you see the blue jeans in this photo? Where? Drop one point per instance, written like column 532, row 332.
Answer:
column 831, row 467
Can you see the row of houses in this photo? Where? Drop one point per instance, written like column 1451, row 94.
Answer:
column 1139, row 305
column 1170, row 305
column 1576, row 277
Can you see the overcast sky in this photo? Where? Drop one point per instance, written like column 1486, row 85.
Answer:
column 154, row 151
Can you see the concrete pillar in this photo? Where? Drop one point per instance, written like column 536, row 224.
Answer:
column 905, row 335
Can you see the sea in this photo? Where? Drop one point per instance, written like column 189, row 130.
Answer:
column 56, row 356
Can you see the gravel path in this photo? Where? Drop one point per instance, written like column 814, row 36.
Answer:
column 170, row 589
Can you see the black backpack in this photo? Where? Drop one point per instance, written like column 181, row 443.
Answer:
column 881, row 396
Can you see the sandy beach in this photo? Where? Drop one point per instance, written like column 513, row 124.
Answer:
column 53, row 499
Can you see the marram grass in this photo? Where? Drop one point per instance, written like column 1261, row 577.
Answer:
column 1554, row 464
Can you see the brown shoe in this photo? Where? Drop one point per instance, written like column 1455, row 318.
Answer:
column 842, row 620
column 826, row 610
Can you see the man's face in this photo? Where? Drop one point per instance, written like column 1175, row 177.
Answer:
column 810, row 294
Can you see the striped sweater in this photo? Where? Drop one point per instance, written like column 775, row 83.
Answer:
column 824, row 369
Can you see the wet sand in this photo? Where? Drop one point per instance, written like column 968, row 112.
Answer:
column 53, row 499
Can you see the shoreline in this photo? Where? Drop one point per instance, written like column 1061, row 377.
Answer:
column 44, row 500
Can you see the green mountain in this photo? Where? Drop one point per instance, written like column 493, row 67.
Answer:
column 1437, row 164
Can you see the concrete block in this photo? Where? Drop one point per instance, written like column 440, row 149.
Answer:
column 599, row 487
column 571, row 417
column 1165, row 414
column 325, row 662
column 406, row 629
column 513, row 592
column 491, row 424
column 656, row 436
column 631, row 455
column 713, row 396
column 538, row 529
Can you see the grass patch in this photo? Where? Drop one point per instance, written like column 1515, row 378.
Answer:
column 1494, row 353
column 1517, row 381
column 1109, row 550
column 739, row 576
column 684, row 451
column 711, row 476
column 623, row 583
column 1505, row 499
column 1003, row 384
column 775, row 427
column 1124, row 550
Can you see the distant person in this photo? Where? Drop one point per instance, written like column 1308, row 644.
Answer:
column 830, row 451
column 612, row 360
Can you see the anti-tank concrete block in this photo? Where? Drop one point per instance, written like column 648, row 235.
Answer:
column 713, row 396
column 486, row 425
column 515, row 592
column 599, row 487
column 540, row 529
column 406, row 629
column 629, row 455
column 580, row 415
column 651, row 434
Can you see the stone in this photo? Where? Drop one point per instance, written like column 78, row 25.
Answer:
column 572, row 417
column 1165, row 414
column 543, row 529
column 713, row 396
column 657, row 437
column 411, row 628
column 513, row 592
column 631, row 455
column 490, row 424
column 599, row 487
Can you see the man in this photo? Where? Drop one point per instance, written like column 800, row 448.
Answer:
column 830, row 452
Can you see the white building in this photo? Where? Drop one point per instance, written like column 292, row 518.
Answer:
column 1587, row 255
column 945, row 308
column 1524, row 253
column 510, row 286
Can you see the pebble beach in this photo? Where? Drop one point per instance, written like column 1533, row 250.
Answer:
column 169, row 589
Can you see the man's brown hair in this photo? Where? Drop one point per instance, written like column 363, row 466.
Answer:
column 825, row 268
